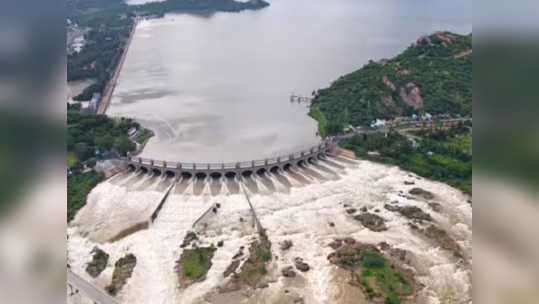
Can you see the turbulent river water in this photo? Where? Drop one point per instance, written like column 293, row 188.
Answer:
column 296, row 205
column 217, row 88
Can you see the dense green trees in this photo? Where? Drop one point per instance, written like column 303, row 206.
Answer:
column 78, row 187
column 88, row 133
column 435, row 155
column 442, row 71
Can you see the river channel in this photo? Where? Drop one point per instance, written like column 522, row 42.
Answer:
column 217, row 88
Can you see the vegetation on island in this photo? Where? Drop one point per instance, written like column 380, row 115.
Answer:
column 380, row 279
column 438, row 154
column 123, row 269
column 78, row 187
column 109, row 24
column 98, row 264
column 194, row 265
column 434, row 75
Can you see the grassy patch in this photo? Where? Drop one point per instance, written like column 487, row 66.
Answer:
column 71, row 159
column 315, row 113
column 195, row 263
column 381, row 280
column 462, row 142
column 254, row 267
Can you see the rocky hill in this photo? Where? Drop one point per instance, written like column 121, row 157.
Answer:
column 434, row 75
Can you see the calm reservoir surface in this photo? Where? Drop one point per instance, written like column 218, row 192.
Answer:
column 216, row 88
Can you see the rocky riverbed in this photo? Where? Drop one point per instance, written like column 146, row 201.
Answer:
column 426, row 234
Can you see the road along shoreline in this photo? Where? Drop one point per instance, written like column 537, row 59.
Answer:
column 107, row 95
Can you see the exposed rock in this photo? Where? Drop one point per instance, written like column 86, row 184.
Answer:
column 424, row 39
column 411, row 95
column 98, row 263
column 371, row 221
column 218, row 205
column 262, row 285
column 288, row 272
column 384, row 246
column 363, row 209
column 301, row 266
column 346, row 205
column 351, row 210
column 220, row 244
column 231, row 268
column 442, row 238
column 331, row 224
column 286, row 245
column 189, row 238
column 436, row 207
column 214, row 209
column 409, row 183
column 470, row 202
column 377, row 210
column 286, row 291
column 349, row 241
column 411, row 212
column 123, row 269
column 423, row 193
column 335, row 244
column 399, row 253
column 447, row 38
column 388, row 83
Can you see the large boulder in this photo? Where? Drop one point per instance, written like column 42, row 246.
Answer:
column 335, row 244
column 371, row 221
column 421, row 192
column 288, row 272
column 301, row 266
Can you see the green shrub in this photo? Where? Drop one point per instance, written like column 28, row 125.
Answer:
column 373, row 260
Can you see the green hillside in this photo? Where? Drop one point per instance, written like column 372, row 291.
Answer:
column 434, row 75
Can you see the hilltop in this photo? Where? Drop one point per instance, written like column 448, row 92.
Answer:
column 434, row 75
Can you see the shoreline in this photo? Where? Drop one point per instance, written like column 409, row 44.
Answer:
column 107, row 96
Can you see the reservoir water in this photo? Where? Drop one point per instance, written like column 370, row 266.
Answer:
column 216, row 87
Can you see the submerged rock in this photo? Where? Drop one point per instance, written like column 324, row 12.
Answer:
column 384, row 246
column 351, row 210
column 436, row 207
column 372, row 221
column 364, row 209
column 262, row 285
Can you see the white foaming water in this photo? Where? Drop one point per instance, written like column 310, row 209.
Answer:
column 299, row 214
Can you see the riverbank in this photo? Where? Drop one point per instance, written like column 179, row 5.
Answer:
column 107, row 95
